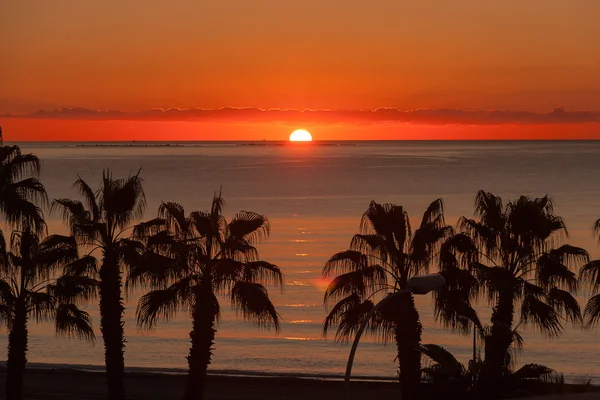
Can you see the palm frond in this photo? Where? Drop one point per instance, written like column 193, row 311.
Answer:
column 249, row 226
column 21, row 213
column 434, row 211
column 372, row 245
column 7, row 302
column 564, row 303
column 202, row 223
column 174, row 214
column 56, row 251
column 164, row 304
column 596, row 229
column 263, row 272
column 490, row 210
column 590, row 275
column 153, row 269
column 77, row 219
column 348, row 314
column 237, row 248
column 495, row 279
column 123, row 200
column 345, row 261
column 362, row 281
column 41, row 305
column 592, row 311
column 84, row 266
column 541, row 315
column 74, row 323
column 550, row 271
column 73, row 288
column 426, row 242
column 226, row 272
column 147, row 228
column 252, row 301
column 454, row 309
column 442, row 365
column 530, row 372
column 90, row 197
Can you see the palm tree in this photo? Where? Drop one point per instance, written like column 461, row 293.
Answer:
column 100, row 223
column 29, row 289
column 19, row 193
column 513, row 251
column 199, row 257
column 382, row 258
column 446, row 372
column 590, row 274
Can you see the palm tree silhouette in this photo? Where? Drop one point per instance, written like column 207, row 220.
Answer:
column 383, row 257
column 590, row 275
column 19, row 189
column 100, row 223
column 29, row 288
column 512, row 251
column 197, row 258
column 443, row 370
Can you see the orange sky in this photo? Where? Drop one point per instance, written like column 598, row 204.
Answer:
column 133, row 56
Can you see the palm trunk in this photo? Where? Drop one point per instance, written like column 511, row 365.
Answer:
column 408, row 339
column 17, row 353
column 111, row 325
column 202, row 338
column 497, row 344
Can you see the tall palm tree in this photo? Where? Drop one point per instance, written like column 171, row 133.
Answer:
column 19, row 189
column 100, row 223
column 514, row 252
column 590, row 275
column 29, row 288
column 199, row 257
column 382, row 258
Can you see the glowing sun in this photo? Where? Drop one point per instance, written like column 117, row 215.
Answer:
column 300, row 135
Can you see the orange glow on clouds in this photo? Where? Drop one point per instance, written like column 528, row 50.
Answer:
column 65, row 130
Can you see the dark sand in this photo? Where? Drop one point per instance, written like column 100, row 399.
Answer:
column 70, row 385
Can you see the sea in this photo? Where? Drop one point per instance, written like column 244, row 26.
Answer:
column 314, row 195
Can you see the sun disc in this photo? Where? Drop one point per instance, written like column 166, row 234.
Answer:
column 300, row 135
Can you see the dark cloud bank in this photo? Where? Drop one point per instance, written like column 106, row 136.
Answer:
column 380, row 115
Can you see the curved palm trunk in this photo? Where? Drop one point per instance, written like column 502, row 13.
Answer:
column 408, row 339
column 17, row 351
column 498, row 343
column 111, row 325
column 202, row 338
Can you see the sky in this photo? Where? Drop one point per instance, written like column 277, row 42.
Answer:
column 385, row 69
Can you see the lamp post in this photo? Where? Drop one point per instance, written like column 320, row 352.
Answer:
column 416, row 285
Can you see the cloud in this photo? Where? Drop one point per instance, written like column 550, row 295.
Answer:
column 324, row 116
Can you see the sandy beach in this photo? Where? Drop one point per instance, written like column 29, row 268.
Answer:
column 68, row 384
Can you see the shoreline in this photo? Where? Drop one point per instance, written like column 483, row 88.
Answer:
column 100, row 369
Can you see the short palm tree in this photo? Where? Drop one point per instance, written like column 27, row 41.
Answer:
column 445, row 371
column 199, row 257
column 513, row 251
column 19, row 189
column 29, row 288
column 100, row 224
column 590, row 275
column 382, row 258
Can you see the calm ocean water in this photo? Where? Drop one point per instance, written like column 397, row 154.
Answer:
column 314, row 196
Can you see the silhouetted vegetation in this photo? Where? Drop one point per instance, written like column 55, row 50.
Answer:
column 382, row 258
column 192, row 259
column 99, row 223
column 516, row 259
